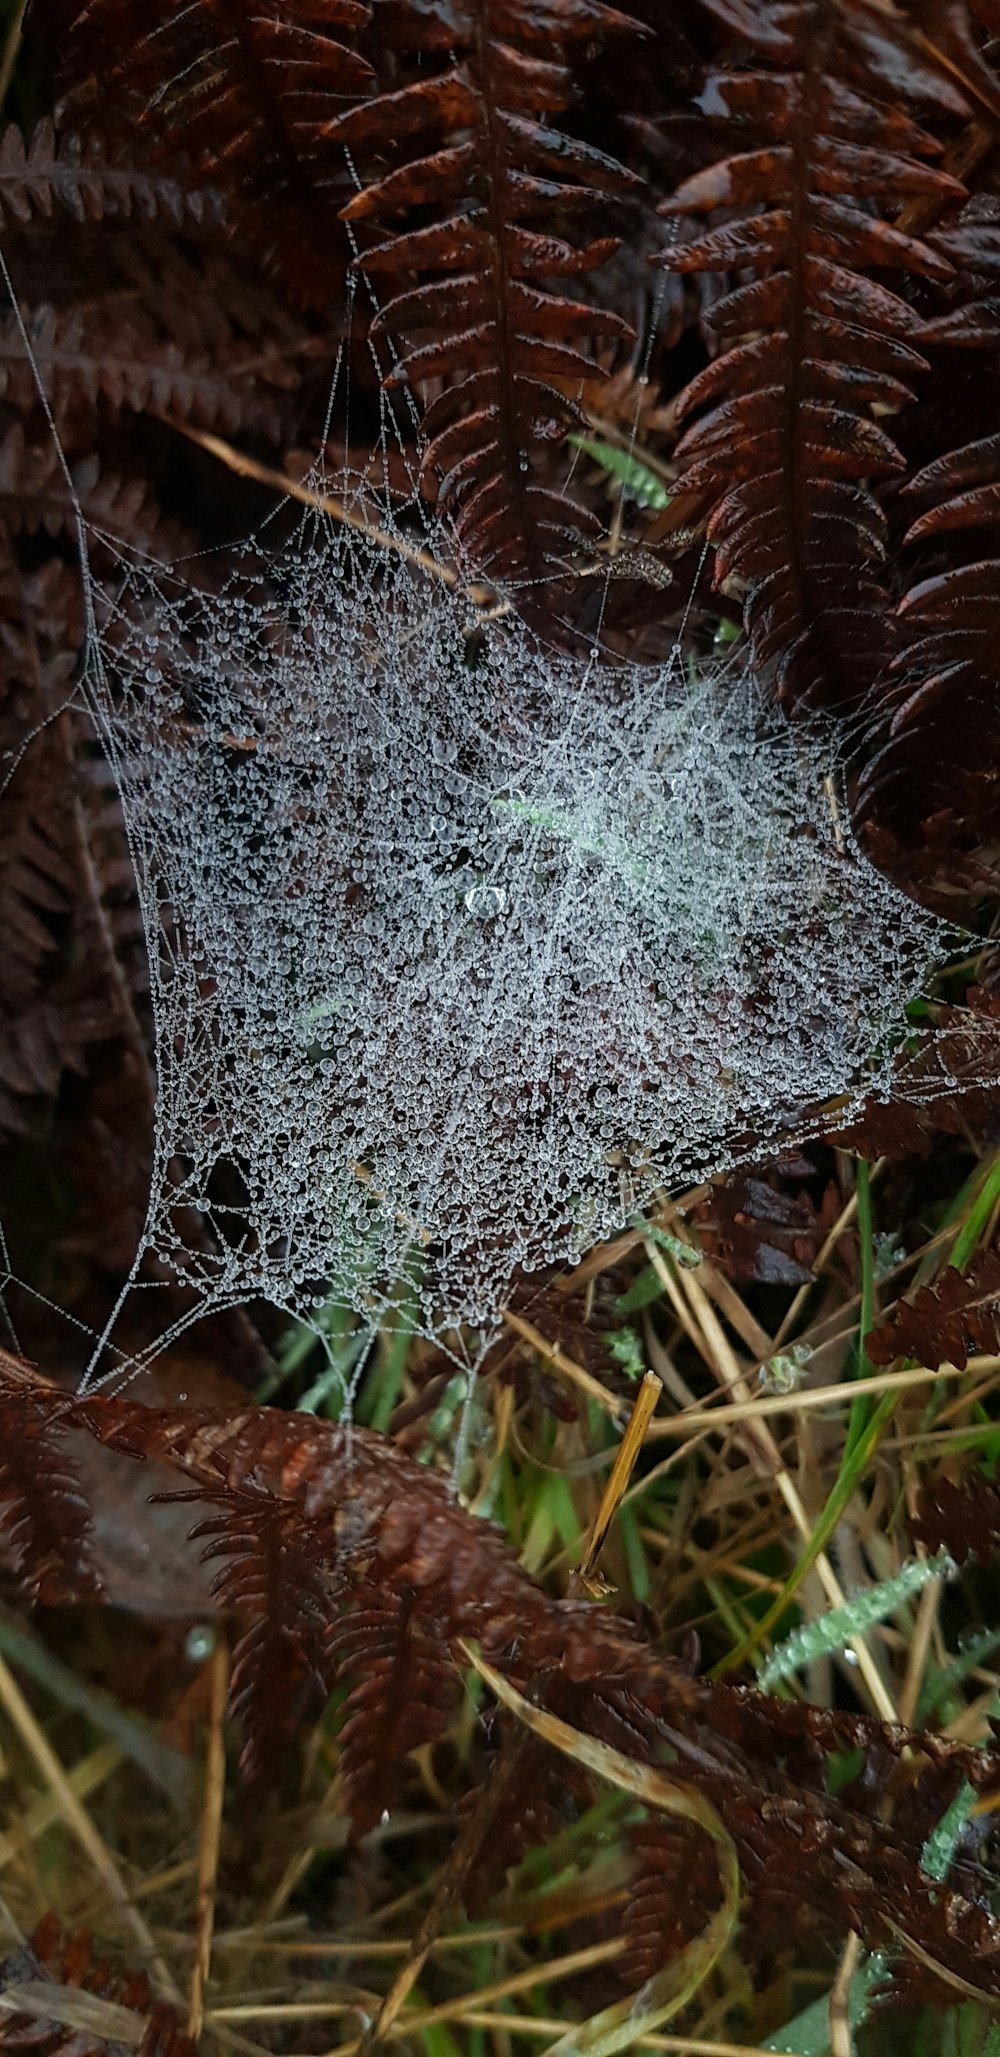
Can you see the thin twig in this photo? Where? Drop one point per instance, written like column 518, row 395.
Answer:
column 328, row 503
column 211, row 1829
column 841, row 2040
column 550, row 2025
column 762, row 1404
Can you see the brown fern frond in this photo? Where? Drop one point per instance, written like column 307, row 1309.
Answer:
column 787, row 459
column 944, row 1322
column 403, row 1687
column 38, row 888
column 33, row 490
column 374, row 1515
column 959, row 1515
column 90, row 180
column 243, row 97
column 813, row 1848
column 41, row 627
column 934, row 780
column 45, row 1528
column 85, row 357
column 66, row 1964
column 372, row 1519
column 674, row 1889
column 271, row 1578
column 74, row 953
column 474, row 146
column 540, row 1800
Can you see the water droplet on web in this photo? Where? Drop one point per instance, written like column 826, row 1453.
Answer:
column 199, row 1643
column 485, row 902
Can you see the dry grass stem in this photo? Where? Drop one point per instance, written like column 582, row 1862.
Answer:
column 76, row 1818
column 625, row 1460
column 211, row 1829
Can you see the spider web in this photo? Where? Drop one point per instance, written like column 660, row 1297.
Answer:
column 463, row 949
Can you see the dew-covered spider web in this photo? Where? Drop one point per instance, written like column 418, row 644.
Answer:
column 462, row 949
